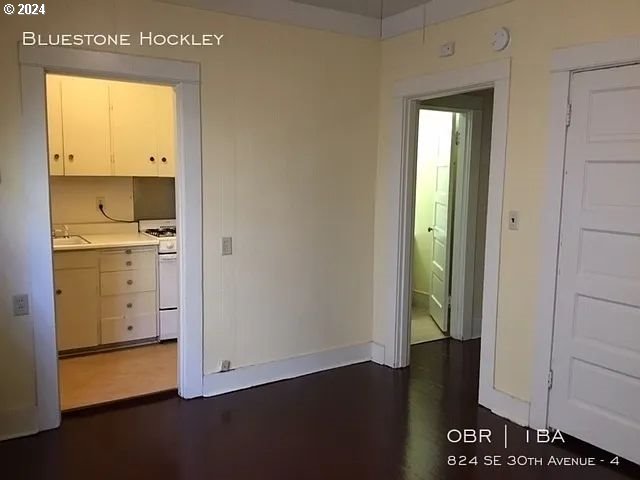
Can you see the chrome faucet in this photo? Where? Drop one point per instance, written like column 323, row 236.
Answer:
column 55, row 233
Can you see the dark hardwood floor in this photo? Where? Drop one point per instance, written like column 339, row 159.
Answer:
column 358, row 422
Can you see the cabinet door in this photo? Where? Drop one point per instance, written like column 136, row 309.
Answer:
column 166, row 130
column 133, row 124
column 85, row 118
column 77, row 308
column 54, row 125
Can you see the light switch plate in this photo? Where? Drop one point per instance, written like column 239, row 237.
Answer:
column 227, row 245
column 21, row 305
column 514, row 220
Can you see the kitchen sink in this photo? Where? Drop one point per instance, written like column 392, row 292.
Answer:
column 72, row 240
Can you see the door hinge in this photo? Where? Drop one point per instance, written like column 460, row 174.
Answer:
column 458, row 138
column 550, row 379
column 569, row 110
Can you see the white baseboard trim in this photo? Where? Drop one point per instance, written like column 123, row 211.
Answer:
column 377, row 353
column 506, row 406
column 476, row 327
column 420, row 299
column 18, row 422
column 254, row 375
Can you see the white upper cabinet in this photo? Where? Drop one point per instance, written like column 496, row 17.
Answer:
column 54, row 125
column 85, row 126
column 147, row 110
column 166, row 131
column 133, row 127
column 100, row 127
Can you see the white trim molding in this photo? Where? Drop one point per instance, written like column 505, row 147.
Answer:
column 564, row 62
column 312, row 16
column 35, row 62
column 254, row 375
column 392, row 267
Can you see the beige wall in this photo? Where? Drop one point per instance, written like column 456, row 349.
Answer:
column 289, row 122
column 537, row 26
column 73, row 199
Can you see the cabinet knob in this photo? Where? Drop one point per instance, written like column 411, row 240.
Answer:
column 130, row 327
column 153, row 159
column 129, row 305
column 56, row 157
column 129, row 282
column 58, row 292
column 129, row 263
column 128, row 251
column 71, row 157
column 164, row 159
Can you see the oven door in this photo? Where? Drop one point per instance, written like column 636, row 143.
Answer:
column 169, row 288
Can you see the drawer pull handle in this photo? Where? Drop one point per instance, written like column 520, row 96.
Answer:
column 129, row 305
column 129, row 282
column 58, row 292
column 128, row 251
column 129, row 263
column 130, row 327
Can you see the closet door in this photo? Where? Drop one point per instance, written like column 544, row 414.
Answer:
column 54, row 125
column 85, row 119
column 133, row 122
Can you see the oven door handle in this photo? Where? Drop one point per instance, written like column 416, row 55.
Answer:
column 167, row 257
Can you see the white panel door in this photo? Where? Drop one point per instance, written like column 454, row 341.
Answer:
column 442, row 223
column 85, row 120
column 596, row 354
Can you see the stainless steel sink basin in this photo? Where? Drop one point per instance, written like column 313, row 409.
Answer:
column 66, row 241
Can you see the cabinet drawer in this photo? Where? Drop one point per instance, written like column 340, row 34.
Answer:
column 132, row 281
column 129, row 259
column 116, row 330
column 128, row 305
column 67, row 260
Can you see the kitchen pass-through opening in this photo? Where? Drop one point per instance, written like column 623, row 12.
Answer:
column 112, row 164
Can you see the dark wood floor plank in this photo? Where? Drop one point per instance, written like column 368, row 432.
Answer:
column 358, row 422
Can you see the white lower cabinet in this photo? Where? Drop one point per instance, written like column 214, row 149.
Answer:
column 105, row 297
column 128, row 328
column 77, row 308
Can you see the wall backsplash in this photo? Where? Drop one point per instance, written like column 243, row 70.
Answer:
column 73, row 199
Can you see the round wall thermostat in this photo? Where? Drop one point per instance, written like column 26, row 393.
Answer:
column 501, row 39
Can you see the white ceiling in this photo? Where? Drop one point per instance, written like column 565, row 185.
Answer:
column 368, row 8
column 352, row 17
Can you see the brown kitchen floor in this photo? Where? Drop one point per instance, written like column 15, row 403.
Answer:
column 105, row 377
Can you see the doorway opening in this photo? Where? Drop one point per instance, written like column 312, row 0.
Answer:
column 452, row 153
column 112, row 176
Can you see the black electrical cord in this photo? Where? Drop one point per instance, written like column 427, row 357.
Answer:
column 101, row 207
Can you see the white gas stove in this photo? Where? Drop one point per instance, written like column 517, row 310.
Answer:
column 168, row 274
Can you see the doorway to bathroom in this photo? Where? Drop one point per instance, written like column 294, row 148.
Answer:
column 452, row 153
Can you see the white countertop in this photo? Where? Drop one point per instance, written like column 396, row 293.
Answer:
column 110, row 240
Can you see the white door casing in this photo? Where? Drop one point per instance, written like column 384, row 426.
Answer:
column 35, row 63
column 596, row 346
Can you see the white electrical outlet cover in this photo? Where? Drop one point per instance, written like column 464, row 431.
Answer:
column 501, row 39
